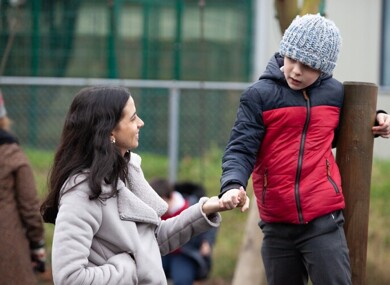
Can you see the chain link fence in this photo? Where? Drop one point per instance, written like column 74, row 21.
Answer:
column 182, row 118
column 179, row 54
column 137, row 39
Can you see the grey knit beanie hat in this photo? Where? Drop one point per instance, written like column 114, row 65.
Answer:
column 313, row 40
column 3, row 111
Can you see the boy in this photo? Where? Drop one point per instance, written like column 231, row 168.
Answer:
column 283, row 136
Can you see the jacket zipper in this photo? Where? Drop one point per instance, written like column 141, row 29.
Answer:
column 265, row 183
column 300, row 159
column 330, row 177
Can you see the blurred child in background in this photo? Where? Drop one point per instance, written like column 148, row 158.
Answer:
column 191, row 262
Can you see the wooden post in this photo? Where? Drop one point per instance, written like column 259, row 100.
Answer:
column 354, row 157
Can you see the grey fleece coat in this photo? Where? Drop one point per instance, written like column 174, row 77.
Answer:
column 119, row 240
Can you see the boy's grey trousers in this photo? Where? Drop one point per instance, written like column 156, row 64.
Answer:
column 318, row 250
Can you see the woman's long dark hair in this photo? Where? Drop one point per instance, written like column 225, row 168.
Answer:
column 85, row 144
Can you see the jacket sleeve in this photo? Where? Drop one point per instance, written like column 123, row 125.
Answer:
column 240, row 154
column 77, row 222
column 176, row 231
column 27, row 199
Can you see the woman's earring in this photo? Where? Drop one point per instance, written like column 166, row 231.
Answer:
column 112, row 140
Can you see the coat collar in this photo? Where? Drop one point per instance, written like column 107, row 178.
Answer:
column 132, row 207
column 137, row 202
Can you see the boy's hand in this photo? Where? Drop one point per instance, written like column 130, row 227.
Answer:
column 383, row 128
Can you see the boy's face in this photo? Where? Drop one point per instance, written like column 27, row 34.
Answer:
column 298, row 75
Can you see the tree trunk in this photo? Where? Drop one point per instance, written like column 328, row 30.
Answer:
column 287, row 10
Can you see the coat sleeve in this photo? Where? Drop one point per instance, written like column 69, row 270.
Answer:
column 27, row 199
column 176, row 231
column 77, row 222
column 240, row 154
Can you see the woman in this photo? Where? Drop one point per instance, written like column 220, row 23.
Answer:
column 108, row 228
column 21, row 227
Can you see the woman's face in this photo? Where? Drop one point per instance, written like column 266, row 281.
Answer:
column 126, row 132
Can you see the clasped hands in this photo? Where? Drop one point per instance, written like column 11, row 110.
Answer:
column 233, row 198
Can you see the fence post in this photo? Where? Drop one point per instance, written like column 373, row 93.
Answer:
column 354, row 157
column 173, row 140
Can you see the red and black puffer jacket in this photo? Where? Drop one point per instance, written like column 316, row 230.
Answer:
column 284, row 137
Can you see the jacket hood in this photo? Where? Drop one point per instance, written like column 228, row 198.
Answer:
column 273, row 71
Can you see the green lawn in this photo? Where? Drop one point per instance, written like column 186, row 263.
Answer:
column 208, row 169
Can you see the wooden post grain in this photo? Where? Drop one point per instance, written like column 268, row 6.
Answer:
column 354, row 157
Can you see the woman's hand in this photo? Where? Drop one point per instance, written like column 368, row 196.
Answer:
column 231, row 199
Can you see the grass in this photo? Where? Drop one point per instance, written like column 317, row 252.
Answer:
column 378, row 257
column 207, row 170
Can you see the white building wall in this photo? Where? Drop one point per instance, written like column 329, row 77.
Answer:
column 359, row 22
